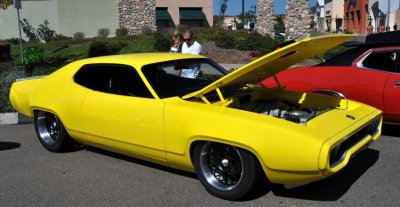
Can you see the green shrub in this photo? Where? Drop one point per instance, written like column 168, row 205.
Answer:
column 103, row 32
column 146, row 30
column 256, row 42
column 7, row 76
column 33, row 55
column 39, row 71
column 102, row 48
column 225, row 40
column 162, row 42
column 114, row 47
column 79, row 35
column 122, row 32
column 98, row 48
column 12, row 40
column 60, row 37
column 208, row 34
column 239, row 35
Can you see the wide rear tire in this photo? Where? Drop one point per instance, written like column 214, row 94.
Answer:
column 225, row 171
column 51, row 132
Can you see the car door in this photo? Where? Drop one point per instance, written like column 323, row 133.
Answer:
column 392, row 91
column 121, row 114
column 385, row 60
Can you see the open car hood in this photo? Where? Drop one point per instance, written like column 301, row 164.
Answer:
column 276, row 61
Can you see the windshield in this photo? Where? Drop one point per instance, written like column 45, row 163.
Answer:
column 181, row 77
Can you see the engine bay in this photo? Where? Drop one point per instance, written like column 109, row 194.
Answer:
column 284, row 109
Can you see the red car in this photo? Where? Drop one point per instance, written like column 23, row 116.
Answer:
column 369, row 73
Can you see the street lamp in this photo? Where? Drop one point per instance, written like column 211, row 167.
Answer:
column 243, row 13
column 17, row 5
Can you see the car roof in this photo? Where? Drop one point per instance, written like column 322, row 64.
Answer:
column 138, row 60
column 347, row 58
column 383, row 38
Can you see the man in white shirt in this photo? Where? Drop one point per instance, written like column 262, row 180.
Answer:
column 191, row 46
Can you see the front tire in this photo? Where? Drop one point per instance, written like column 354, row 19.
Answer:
column 225, row 171
column 51, row 132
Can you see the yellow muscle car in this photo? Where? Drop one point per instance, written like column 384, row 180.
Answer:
column 184, row 111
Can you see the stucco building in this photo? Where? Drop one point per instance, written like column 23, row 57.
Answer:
column 334, row 13
column 67, row 17
column 192, row 13
column 320, row 15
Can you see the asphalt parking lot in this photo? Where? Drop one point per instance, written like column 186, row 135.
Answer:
column 32, row 176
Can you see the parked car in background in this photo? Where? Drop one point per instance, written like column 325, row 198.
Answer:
column 225, row 127
column 368, row 73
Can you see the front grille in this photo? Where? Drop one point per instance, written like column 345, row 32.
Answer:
column 338, row 153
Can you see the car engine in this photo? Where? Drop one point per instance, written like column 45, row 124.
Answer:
column 284, row 109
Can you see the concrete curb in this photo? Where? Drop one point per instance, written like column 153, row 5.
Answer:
column 14, row 118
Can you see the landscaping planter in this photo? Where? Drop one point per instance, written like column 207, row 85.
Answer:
column 14, row 118
column 8, row 118
column 5, row 52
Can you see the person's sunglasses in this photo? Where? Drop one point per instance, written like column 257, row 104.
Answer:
column 186, row 40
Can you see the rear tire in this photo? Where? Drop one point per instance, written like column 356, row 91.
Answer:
column 226, row 171
column 51, row 132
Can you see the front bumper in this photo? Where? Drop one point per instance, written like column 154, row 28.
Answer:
column 336, row 152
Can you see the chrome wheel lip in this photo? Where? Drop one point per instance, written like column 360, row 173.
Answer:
column 209, row 176
column 48, row 127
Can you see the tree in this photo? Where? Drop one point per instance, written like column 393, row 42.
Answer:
column 29, row 31
column 44, row 32
column 216, row 20
column 223, row 8
column 279, row 27
column 248, row 16
column 5, row 3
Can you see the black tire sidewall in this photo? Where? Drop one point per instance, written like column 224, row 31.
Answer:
column 60, row 144
column 251, row 174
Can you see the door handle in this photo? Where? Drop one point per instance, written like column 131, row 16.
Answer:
column 397, row 83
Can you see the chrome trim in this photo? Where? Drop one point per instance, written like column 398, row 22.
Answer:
column 30, row 78
column 361, row 65
column 391, row 123
column 340, row 95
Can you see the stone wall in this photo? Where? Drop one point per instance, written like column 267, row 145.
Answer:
column 265, row 17
column 297, row 20
column 137, row 16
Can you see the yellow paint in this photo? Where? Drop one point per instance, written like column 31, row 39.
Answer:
column 164, row 130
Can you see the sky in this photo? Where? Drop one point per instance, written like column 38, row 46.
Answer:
column 235, row 6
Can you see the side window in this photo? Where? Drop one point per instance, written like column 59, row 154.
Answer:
column 114, row 79
column 382, row 60
column 191, row 69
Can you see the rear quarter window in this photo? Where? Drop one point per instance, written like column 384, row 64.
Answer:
column 112, row 79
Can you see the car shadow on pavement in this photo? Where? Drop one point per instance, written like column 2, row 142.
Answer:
column 333, row 188
column 142, row 162
column 391, row 130
column 9, row 145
